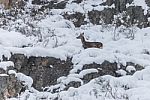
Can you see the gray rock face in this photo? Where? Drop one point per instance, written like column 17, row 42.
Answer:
column 137, row 16
column 132, row 15
column 39, row 2
column 147, row 2
column 109, row 2
column 9, row 86
column 106, row 68
column 137, row 67
column 44, row 70
column 77, row 18
column 3, row 86
column 105, row 16
column 73, row 84
column 52, row 5
column 77, row 1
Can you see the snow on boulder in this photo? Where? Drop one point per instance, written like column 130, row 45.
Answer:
column 12, row 72
column 28, row 81
column 130, row 69
column 121, row 72
column 5, row 64
column 87, row 71
column 67, row 80
column 13, row 39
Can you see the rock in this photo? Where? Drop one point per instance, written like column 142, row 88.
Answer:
column 39, row 2
column 3, row 86
column 86, row 78
column 96, row 19
column 130, row 70
column 2, row 71
column 46, row 70
column 43, row 70
column 77, row 1
column 147, row 2
column 106, row 68
column 73, row 84
column 109, row 2
column 120, row 5
column 133, row 67
column 20, row 60
column 121, row 72
column 137, row 16
column 77, row 18
column 53, row 5
column 61, row 5
column 9, row 86
column 107, row 15
column 101, row 17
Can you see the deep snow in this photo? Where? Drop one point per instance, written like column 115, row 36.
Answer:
column 59, row 41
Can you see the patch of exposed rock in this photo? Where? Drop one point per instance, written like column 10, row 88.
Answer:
column 44, row 70
column 130, row 15
column 9, row 86
column 77, row 18
column 108, row 68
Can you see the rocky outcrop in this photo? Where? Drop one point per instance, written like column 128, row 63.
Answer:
column 106, row 68
column 44, row 70
column 137, row 68
column 77, row 18
column 147, row 2
column 73, row 84
column 10, row 86
column 130, row 15
column 51, row 5
column 100, row 17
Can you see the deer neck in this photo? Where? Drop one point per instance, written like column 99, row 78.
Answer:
column 83, row 40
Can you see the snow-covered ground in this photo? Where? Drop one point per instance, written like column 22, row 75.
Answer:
column 59, row 41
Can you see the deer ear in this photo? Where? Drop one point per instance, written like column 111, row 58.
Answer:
column 82, row 33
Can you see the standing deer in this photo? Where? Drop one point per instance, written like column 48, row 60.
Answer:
column 89, row 44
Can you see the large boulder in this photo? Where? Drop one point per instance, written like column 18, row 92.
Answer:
column 44, row 70
column 9, row 86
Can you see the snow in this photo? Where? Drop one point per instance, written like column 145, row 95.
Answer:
column 87, row 71
column 122, row 50
column 27, row 80
column 67, row 80
column 121, row 72
column 59, row 40
column 15, row 39
column 12, row 72
column 143, row 4
column 3, row 75
column 5, row 64
column 130, row 68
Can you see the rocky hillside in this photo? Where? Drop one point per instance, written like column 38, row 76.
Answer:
column 41, row 58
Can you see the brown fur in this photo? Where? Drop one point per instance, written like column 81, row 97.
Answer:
column 89, row 44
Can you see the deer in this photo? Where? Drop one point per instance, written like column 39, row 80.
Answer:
column 86, row 44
